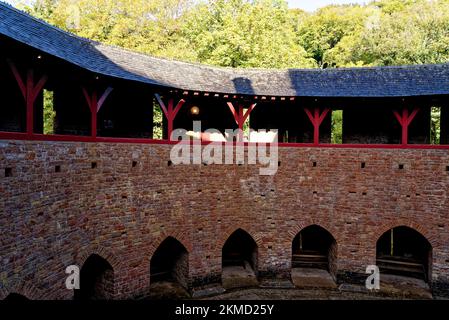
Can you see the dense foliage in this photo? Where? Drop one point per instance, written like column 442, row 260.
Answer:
column 262, row 33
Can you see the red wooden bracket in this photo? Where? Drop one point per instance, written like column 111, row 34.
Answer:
column 405, row 120
column 169, row 112
column 317, row 119
column 240, row 116
column 30, row 91
column 103, row 97
column 95, row 105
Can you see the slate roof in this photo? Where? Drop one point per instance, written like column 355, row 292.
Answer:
column 397, row 81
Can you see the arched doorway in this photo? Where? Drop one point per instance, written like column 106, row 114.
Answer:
column 314, row 258
column 96, row 280
column 169, row 270
column 239, row 261
column 404, row 251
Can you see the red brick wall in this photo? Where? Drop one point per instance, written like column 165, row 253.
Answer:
column 49, row 220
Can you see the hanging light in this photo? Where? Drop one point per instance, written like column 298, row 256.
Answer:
column 195, row 110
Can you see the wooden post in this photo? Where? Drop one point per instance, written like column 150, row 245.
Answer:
column 317, row 119
column 391, row 242
column 240, row 116
column 169, row 112
column 30, row 92
column 95, row 106
column 405, row 120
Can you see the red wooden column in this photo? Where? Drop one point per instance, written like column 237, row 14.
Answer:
column 170, row 112
column 30, row 90
column 95, row 106
column 405, row 119
column 317, row 119
column 240, row 116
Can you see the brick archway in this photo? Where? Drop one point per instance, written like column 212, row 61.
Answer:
column 293, row 232
column 331, row 248
column 170, row 261
column 24, row 288
column 118, row 267
column 426, row 258
column 257, row 237
column 384, row 227
column 106, row 254
column 181, row 236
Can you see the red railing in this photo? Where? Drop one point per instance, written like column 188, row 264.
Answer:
column 70, row 138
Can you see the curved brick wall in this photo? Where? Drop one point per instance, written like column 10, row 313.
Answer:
column 50, row 220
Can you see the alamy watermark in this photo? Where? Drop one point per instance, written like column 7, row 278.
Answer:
column 373, row 280
column 226, row 149
column 72, row 282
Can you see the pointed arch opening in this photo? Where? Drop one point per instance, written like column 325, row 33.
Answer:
column 96, row 279
column 314, row 257
column 169, row 270
column 404, row 251
column 239, row 260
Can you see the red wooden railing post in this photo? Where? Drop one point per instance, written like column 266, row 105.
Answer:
column 29, row 102
column 95, row 106
column 405, row 120
column 170, row 112
column 30, row 92
column 316, row 127
column 170, row 118
column 240, row 116
column 404, row 134
column 317, row 119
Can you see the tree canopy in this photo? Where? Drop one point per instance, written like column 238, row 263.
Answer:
column 261, row 33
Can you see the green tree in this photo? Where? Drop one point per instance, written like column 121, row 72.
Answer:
column 327, row 33
column 337, row 127
column 148, row 26
column 49, row 113
column 435, row 125
column 242, row 33
column 157, row 121
column 416, row 34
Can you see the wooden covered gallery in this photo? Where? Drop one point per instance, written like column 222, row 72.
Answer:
column 100, row 92
column 90, row 101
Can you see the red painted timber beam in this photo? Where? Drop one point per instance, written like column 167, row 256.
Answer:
column 43, row 137
column 95, row 106
column 317, row 119
column 405, row 120
column 170, row 112
column 29, row 91
column 240, row 116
